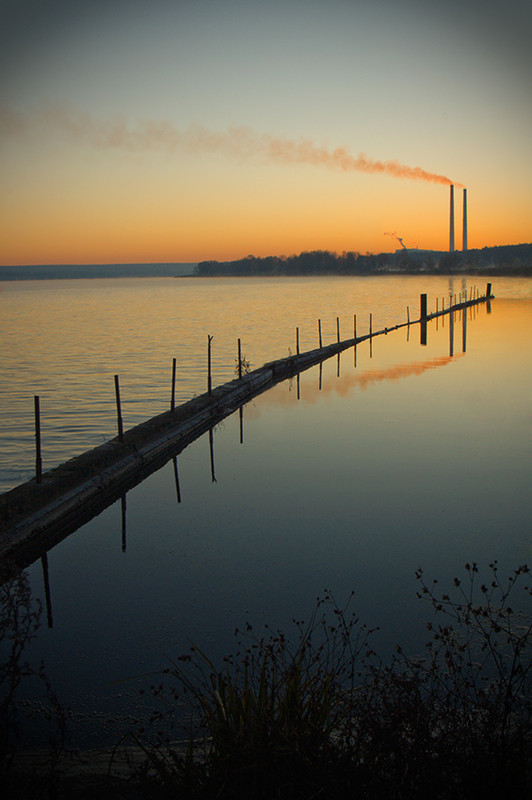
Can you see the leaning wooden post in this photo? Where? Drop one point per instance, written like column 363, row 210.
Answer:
column 319, row 333
column 119, row 410
column 239, row 359
column 488, row 290
column 297, row 341
column 209, row 376
column 38, row 458
column 408, row 314
column 172, row 401
column 337, row 329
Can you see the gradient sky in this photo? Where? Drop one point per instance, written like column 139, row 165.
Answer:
column 160, row 130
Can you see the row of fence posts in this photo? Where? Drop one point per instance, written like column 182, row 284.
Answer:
column 463, row 298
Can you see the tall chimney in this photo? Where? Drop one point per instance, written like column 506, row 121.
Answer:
column 464, row 223
column 451, row 220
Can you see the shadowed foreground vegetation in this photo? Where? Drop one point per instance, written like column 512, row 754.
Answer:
column 319, row 715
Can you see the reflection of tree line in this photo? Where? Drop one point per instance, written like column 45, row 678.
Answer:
column 508, row 259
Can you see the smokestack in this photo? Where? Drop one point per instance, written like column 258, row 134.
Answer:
column 451, row 220
column 464, row 223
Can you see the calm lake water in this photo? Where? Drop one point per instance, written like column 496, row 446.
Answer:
column 395, row 457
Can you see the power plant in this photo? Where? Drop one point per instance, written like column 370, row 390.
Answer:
column 464, row 222
column 451, row 220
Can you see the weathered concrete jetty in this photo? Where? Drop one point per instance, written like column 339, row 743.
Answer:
column 38, row 514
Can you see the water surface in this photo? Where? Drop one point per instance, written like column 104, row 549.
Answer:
column 391, row 458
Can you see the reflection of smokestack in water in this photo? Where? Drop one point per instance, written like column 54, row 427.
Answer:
column 451, row 219
column 464, row 223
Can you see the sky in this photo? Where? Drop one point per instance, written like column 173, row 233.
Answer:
column 169, row 131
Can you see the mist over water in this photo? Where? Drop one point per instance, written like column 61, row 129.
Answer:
column 350, row 477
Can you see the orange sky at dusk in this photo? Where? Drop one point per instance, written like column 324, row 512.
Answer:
column 102, row 161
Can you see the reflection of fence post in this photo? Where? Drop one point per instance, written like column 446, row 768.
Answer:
column 38, row 458
column 119, row 410
column 47, row 592
column 209, row 377
column 124, row 521
column 176, row 478
column 211, row 450
column 172, row 402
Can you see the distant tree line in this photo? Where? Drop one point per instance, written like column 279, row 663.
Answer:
column 506, row 259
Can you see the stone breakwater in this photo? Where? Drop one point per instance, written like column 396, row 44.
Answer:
column 38, row 514
column 35, row 516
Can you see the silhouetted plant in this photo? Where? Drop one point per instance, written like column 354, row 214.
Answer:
column 20, row 618
column 322, row 717
column 456, row 722
column 243, row 366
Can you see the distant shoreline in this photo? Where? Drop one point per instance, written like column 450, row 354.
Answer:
column 501, row 261
column 32, row 272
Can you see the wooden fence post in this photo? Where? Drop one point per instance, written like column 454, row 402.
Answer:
column 38, row 457
column 239, row 359
column 119, row 410
column 451, row 333
column 319, row 333
column 209, row 376
column 172, row 401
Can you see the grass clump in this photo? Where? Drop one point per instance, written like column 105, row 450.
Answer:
column 319, row 715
